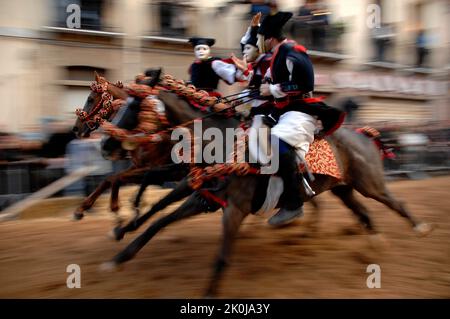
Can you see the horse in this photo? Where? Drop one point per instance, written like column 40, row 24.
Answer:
column 142, row 157
column 359, row 162
column 176, row 114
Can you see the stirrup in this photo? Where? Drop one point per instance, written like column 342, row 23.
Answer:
column 309, row 191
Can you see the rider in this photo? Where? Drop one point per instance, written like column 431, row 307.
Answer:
column 253, row 66
column 292, row 82
column 255, row 63
column 206, row 71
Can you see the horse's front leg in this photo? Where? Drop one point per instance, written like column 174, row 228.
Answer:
column 132, row 175
column 181, row 191
column 151, row 177
column 192, row 206
column 157, row 176
column 90, row 200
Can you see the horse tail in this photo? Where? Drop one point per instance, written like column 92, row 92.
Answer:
column 375, row 136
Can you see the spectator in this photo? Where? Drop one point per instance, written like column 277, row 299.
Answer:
column 319, row 23
column 82, row 153
column 382, row 37
column 300, row 28
column 263, row 6
column 310, row 26
column 9, row 147
column 421, row 48
column 174, row 18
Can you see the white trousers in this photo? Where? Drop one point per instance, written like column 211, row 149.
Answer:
column 295, row 128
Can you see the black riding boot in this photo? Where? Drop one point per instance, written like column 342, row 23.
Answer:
column 292, row 203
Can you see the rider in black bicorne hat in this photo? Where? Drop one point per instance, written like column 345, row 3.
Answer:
column 291, row 84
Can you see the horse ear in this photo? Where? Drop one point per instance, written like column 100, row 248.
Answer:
column 97, row 77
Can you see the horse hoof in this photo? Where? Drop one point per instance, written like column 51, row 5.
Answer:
column 109, row 266
column 111, row 234
column 116, row 233
column 77, row 216
column 115, row 209
column 378, row 242
column 423, row 229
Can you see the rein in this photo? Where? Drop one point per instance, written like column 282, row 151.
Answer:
column 156, row 136
column 193, row 96
column 150, row 119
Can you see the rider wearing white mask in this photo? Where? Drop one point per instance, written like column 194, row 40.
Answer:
column 255, row 63
column 206, row 71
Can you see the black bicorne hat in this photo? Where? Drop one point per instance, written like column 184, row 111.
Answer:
column 206, row 41
column 272, row 25
column 154, row 74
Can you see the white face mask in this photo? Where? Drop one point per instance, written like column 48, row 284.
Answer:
column 250, row 52
column 202, row 51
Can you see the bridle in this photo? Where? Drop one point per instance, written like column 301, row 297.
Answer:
column 104, row 107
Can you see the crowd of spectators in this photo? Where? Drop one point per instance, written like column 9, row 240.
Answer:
column 40, row 155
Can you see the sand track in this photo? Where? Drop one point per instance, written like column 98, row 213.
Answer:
column 293, row 262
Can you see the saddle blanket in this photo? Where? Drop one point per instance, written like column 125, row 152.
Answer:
column 320, row 160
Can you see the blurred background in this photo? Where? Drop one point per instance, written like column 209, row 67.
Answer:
column 386, row 62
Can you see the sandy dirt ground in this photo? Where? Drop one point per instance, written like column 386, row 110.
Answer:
column 293, row 262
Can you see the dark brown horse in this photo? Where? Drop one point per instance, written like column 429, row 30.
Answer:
column 153, row 159
column 143, row 157
column 360, row 164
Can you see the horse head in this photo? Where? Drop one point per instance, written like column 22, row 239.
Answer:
column 98, row 105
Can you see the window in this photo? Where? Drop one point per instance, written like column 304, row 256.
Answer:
column 82, row 73
column 91, row 13
column 174, row 19
column 76, row 86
